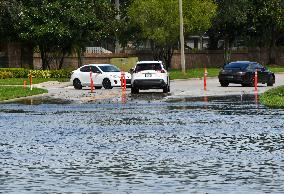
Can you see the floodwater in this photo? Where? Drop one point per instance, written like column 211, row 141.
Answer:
column 202, row 145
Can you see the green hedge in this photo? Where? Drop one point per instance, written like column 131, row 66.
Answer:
column 16, row 72
column 24, row 73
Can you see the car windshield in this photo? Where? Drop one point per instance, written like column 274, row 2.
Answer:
column 148, row 66
column 109, row 68
column 240, row 66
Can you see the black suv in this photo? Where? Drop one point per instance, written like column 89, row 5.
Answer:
column 242, row 72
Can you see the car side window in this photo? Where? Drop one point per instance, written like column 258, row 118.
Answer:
column 258, row 66
column 95, row 69
column 85, row 69
column 250, row 67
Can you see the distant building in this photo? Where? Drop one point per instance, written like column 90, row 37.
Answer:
column 197, row 42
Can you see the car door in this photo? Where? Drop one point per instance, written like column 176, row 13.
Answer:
column 96, row 75
column 260, row 73
column 85, row 75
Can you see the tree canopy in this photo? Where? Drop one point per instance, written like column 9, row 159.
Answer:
column 58, row 26
column 257, row 22
column 268, row 24
column 158, row 22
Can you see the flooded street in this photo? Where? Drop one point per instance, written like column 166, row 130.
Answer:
column 148, row 145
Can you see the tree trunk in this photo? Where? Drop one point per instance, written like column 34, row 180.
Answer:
column 79, row 55
column 44, row 57
column 156, row 51
column 163, row 54
column 168, row 55
column 272, row 46
column 62, row 59
column 227, row 50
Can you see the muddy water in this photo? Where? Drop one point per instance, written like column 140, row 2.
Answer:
column 203, row 145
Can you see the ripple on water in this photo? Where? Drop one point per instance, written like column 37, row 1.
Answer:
column 218, row 146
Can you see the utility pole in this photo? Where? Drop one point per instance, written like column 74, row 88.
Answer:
column 182, row 57
column 117, row 45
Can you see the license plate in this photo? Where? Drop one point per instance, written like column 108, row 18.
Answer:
column 229, row 77
column 148, row 75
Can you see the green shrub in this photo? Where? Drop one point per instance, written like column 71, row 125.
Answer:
column 60, row 73
column 16, row 72
column 5, row 74
column 40, row 73
column 51, row 73
column 24, row 73
column 273, row 97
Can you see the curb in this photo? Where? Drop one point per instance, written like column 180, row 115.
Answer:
column 24, row 98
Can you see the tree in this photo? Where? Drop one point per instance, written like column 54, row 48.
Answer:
column 10, row 11
column 60, row 26
column 229, row 24
column 268, row 23
column 158, row 22
column 56, row 27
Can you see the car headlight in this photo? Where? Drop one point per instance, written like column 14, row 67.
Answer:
column 241, row 73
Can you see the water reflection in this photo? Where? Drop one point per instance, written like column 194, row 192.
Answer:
column 41, row 100
column 177, row 146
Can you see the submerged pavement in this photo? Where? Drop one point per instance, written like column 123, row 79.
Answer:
column 179, row 89
column 223, row 145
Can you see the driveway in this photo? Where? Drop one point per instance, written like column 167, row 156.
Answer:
column 179, row 89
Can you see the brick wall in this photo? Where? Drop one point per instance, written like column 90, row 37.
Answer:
column 72, row 61
column 216, row 58
column 17, row 55
column 14, row 54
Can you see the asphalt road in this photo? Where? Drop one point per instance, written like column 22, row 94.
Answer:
column 194, row 88
column 179, row 89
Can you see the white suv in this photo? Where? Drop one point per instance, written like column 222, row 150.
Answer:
column 149, row 75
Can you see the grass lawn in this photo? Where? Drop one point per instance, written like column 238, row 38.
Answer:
column 20, row 81
column 11, row 92
column 273, row 98
column 193, row 73
column 276, row 69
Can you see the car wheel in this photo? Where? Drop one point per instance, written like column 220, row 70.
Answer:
column 271, row 81
column 77, row 84
column 166, row 89
column 224, row 84
column 134, row 90
column 107, row 84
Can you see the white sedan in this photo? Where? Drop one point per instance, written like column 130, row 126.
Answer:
column 104, row 75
